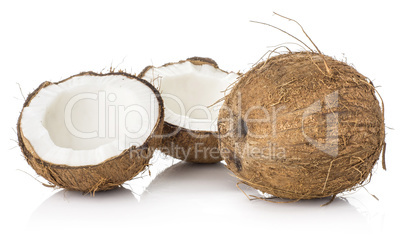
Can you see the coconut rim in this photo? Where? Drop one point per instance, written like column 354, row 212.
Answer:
column 26, row 145
column 182, row 129
column 197, row 61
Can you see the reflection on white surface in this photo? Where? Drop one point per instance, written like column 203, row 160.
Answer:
column 207, row 194
column 158, row 163
column 71, row 209
column 190, row 200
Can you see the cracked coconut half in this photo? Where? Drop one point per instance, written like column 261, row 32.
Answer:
column 191, row 90
column 91, row 132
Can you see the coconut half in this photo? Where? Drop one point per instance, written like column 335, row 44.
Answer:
column 191, row 90
column 91, row 132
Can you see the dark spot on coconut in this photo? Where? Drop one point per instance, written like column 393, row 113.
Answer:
column 233, row 158
column 237, row 163
column 243, row 128
column 240, row 128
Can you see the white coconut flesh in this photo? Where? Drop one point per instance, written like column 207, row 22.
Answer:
column 89, row 119
column 190, row 93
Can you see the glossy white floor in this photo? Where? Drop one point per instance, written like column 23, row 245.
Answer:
column 193, row 205
column 188, row 205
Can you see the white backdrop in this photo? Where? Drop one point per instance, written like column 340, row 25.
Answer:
column 189, row 205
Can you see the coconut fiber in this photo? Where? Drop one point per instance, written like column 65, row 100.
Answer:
column 302, row 125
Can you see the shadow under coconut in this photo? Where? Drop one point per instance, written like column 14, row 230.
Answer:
column 202, row 198
column 67, row 209
column 207, row 194
column 186, row 178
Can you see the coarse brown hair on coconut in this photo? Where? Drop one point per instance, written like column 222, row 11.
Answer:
column 306, row 88
column 106, row 175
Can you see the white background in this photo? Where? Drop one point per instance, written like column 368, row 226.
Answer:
column 190, row 205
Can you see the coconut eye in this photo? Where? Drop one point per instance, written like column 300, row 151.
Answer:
column 243, row 129
column 236, row 161
column 239, row 128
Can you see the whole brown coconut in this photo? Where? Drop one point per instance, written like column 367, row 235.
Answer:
column 203, row 84
column 63, row 171
column 301, row 126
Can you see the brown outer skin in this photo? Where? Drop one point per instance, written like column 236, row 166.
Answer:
column 190, row 145
column 186, row 144
column 91, row 178
column 293, row 168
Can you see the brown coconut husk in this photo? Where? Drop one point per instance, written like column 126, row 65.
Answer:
column 107, row 175
column 189, row 145
column 292, row 83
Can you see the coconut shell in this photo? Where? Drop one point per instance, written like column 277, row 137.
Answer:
column 323, row 133
column 107, row 175
column 189, row 145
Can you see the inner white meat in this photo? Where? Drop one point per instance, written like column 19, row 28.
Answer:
column 89, row 119
column 191, row 92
